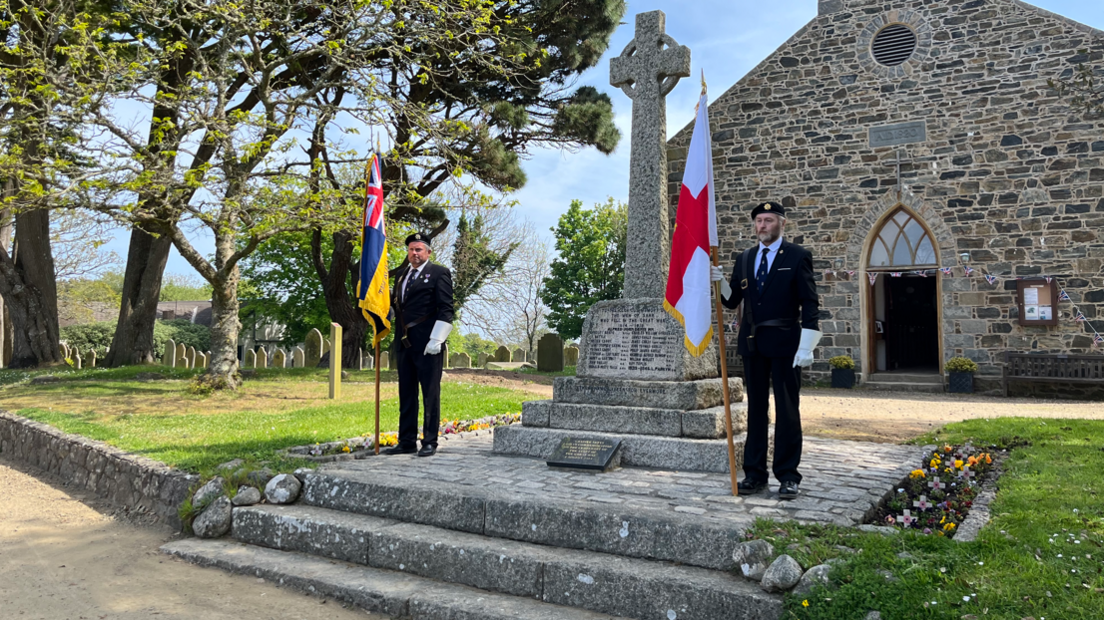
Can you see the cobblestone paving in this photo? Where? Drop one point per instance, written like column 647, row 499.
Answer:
column 843, row 480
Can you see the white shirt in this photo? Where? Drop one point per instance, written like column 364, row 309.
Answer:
column 772, row 250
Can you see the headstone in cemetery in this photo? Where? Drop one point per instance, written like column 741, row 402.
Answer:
column 481, row 360
column 181, row 355
column 63, row 349
column 550, row 353
column 634, row 375
column 201, row 359
column 279, row 359
column 445, row 356
column 326, row 344
column 313, row 348
column 250, row 358
column 571, row 356
column 298, row 358
column 519, row 355
column 91, row 358
column 169, row 358
column 76, row 359
column 369, row 362
column 262, row 358
column 335, row 361
column 385, row 360
column 191, row 357
column 502, row 354
column 360, row 358
column 461, row 360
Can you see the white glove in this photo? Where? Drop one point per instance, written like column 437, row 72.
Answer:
column 438, row 337
column 809, row 340
column 716, row 275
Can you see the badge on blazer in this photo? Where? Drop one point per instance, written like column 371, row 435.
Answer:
column 743, row 283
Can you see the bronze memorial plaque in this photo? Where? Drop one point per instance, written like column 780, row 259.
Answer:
column 585, row 453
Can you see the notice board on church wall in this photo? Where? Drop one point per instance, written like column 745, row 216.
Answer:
column 1038, row 302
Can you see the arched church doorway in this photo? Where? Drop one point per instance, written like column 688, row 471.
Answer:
column 903, row 321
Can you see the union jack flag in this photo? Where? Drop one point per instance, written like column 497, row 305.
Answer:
column 947, row 271
column 873, row 277
column 1098, row 340
column 1080, row 318
column 923, row 273
column 373, row 289
column 1048, row 279
column 969, row 270
column 1063, row 296
column 895, row 274
column 850, row 274
column 990, row 279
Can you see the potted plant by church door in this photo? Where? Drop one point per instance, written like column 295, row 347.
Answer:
column 843, row 371
column 961, row 375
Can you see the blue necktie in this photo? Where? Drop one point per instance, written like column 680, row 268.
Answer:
column 761, row 275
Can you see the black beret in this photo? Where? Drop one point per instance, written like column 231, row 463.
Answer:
column 768, row 207
column 422, row 237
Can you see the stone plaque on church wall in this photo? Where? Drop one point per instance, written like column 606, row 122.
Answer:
column 900, row 133
column 637, row 339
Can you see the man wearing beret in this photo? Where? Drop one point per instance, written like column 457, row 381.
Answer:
column 422, row 301
column 778, row 332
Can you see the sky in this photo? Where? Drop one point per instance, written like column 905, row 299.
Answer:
column 727, row 38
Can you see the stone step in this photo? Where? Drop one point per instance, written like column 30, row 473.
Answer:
column 653, row 534
column 670, row 453
column 682, row 395
column 905, row 378
column 931, row 388
column 595, row 581
column 391, row 593
column 698, row 424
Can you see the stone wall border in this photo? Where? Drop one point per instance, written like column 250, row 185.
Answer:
column 137, row 485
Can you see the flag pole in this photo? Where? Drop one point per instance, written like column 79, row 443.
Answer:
column 376, row 363
column 724, row 376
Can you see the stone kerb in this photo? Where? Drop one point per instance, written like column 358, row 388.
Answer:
column 312, row 349
column 136, row 484
column 550, row 353
column 169, row 358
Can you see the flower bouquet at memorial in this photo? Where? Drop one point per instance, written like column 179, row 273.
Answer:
column 455, row 427
column 937, row 496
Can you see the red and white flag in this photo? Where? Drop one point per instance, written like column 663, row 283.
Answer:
column 688, row 285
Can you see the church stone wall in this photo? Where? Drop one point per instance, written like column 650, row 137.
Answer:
column 1007, row 173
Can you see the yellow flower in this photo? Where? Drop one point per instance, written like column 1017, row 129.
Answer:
column 935, row 463
column 958, row 463
column 939, row 533
column 943, row 520
column 949, row 527
column 949, row 470
column 345, row 448
column 917, row 473
column 805, row 603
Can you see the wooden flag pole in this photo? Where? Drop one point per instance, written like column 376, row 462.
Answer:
column 724, row 375
column 376, row 363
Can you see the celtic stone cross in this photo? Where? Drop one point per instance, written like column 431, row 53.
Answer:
column 648, row 68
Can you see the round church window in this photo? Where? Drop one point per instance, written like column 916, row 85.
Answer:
column 893, row 45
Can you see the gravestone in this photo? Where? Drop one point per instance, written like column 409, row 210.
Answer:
column 481, row 360
column 279, row 359
column 369, row 362
column 635, row 380
column 461, row 360
column 92, row 358
column 519, row 355
column 169, row 358
column 63, row 350
column 445, row 353
column 571, row 356
column 76, row 359
column 550, row 353
column 262, row 358
column 298, row 358
column 385, row 360
column 325, row 346
column 312, row 349
column 201, row 359
column 360, row 358
column 191, row 357
column 502, row 354
column 181, row 355
column 250, row 358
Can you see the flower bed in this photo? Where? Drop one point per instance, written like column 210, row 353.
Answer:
column 363, row 446
column 937, row 496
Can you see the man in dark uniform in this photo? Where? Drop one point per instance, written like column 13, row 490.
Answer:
column 422, row 301
column 778, row 332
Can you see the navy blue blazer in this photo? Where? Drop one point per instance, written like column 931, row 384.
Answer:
column 428, row 300
column 789, row 294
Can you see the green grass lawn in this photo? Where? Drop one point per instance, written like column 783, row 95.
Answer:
column 278, row 409
column 1041, row 556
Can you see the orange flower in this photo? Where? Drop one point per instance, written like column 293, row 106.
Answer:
column 988, row 459
column 972, row 461
column 946, row 448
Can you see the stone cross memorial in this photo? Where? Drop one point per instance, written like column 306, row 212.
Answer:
column 635, row 381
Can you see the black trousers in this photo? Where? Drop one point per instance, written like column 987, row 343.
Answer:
column 418, row 369
column 759, row 371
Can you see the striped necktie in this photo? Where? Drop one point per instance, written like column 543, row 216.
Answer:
column 761, row 275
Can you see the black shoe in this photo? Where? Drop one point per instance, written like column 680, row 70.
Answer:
column 399, row 450
column 750, row 487
column 788, row 490
column 427, row 451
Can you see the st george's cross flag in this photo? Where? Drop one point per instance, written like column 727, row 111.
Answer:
column 373, row 289
column 688, row 284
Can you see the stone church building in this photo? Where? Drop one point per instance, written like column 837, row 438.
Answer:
column 911, row 142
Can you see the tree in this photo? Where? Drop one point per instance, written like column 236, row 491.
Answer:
column 590, row 266
column 474, row 260
column 1085, row 85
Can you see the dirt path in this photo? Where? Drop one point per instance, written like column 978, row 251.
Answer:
column 61, row 559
